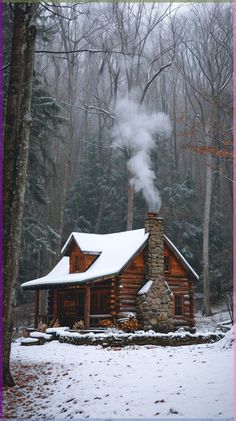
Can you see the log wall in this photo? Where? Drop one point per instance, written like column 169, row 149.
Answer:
column 129, row 283
column 125, row 288
column 84, row 260
column 179, row 282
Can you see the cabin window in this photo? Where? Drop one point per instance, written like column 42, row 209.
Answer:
column 167, row 263
column 69, row 300
column 76, row 263
column 99, row 302
column 178, row 305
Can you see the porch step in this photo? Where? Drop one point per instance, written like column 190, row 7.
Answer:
column 85, row 331
column 29, row 341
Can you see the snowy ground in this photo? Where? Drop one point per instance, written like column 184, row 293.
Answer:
column 61, row 381
column 219, row 315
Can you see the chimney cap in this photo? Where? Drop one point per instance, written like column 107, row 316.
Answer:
column 152, row 215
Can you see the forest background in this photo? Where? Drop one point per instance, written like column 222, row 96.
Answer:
column 170, row 58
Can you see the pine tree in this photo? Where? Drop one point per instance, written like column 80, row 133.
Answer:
column 97, row 199
column 39, row 238
column 182, row 222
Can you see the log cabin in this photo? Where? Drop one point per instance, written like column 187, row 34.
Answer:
column 112, row 276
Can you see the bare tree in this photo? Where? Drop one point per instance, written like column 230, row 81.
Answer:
column 205, row 62
column 141, row 63
column 16, row 145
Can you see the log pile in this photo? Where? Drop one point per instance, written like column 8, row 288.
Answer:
column 130, row 325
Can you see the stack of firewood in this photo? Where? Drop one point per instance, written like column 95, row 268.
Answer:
column 130, row 325
column 106, row 323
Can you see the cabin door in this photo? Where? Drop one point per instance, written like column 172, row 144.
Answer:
column 71, row 307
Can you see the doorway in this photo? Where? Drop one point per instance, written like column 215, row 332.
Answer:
column 71, row 307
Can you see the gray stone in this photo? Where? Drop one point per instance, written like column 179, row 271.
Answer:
column 159, row 311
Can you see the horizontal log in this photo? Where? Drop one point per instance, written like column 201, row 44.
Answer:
column 128, row 297
column 129, row 284
column 174, row 284
column 124, row 302
column 128, row 294
column 128, row 309
column 176, row 278
column 127, row 291
column 177, row 290
column 134, row 272
column 129, row 288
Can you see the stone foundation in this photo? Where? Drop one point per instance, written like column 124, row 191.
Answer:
column 155, row 307
column 139, row 338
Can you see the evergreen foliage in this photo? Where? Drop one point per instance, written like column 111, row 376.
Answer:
column 39, row 239
column 183, row 223
column 220, row 245
column 97, row 199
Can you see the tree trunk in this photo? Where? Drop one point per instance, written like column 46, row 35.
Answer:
column 66, row 170
column 206, row 222
column 16, row 145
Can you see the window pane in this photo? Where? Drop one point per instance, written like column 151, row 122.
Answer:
column 99, row 302
column 76, row 261
column 178, row 305
column 166, row 263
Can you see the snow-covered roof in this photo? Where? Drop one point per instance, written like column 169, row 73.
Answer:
column 88, row 243
column 114, row 252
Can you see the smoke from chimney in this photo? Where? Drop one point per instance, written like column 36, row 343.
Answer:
column 136, row 130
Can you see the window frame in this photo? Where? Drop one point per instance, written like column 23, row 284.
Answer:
column 168, row 270
column 76, row 263
column 179, row 305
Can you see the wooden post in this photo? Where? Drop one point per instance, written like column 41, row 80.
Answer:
column 192, row 307
column 36, row 309
column 55, row 305
column 113, row 298
column 87, row 307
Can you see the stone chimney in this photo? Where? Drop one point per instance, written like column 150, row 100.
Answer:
column 155, row 306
